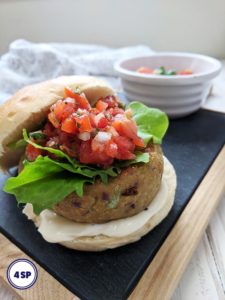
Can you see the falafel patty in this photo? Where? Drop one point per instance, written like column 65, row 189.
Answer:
column 124, row 196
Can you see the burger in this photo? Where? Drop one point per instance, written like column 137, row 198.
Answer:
column 91, row 172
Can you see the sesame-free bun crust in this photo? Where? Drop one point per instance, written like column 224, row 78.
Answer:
column 28, row 108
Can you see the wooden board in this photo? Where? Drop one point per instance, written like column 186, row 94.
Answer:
column 46, row 287
column 164, row 272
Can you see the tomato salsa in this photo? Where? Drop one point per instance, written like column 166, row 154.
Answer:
column 93, row 135
column 163, row 71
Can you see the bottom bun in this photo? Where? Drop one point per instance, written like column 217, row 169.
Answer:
column 79, row 236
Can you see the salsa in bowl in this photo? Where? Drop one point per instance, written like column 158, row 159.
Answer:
column 177, row 95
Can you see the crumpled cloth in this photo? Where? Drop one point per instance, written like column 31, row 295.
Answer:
column 27, row 63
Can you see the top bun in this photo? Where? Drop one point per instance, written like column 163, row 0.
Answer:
column 28, row 107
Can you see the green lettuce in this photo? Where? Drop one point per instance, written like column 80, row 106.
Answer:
column 152, row 123
column 46, row 181
column 141, row 157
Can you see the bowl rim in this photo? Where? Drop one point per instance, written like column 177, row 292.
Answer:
column 132, row 75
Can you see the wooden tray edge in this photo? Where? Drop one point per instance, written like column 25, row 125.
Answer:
column 164, row 272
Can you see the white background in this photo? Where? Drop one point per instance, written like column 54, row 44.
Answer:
column 186, row 25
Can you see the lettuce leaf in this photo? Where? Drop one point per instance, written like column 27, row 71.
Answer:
column 141, row 157
column 44, row 183
column 152, row 123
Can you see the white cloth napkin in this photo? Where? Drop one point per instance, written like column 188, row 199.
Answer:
column 26, row 63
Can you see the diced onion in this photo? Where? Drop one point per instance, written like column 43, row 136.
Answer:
column 98, row 118
column 83, row 95
column 119, row 117
column 69, row 100
column 51, row 143
column 84, row 136
column 103, row 137
column 81, row 111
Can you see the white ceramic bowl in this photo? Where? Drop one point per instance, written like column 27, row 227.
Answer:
column 177, row 95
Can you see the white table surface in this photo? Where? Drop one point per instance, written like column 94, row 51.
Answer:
column 204, row 278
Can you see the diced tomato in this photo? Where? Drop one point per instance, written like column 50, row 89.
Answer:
column 112, row 101
column 83, row 123
column 130, row 129
column 58, row 110
column 145, row 70
column 124, row 143
column 81, row 101
column 115, row 111
column 185, row 72
column 101, row 106
column 69, row 126
column 88, row 156
column 52, row 118
column 111, row 149
column 94, row 110
column 32, row 153
column 125, row 148
column 102, row 123
column 126, row 128
column 125, row 154
column 68, row 93
column 49, row 130
column 85, row 151
column 117, row 125
column 64, row 138
column 64, row 110
column 139, row 142
column 92, row 120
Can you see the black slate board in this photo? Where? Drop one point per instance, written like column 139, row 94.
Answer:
column 192, row 143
